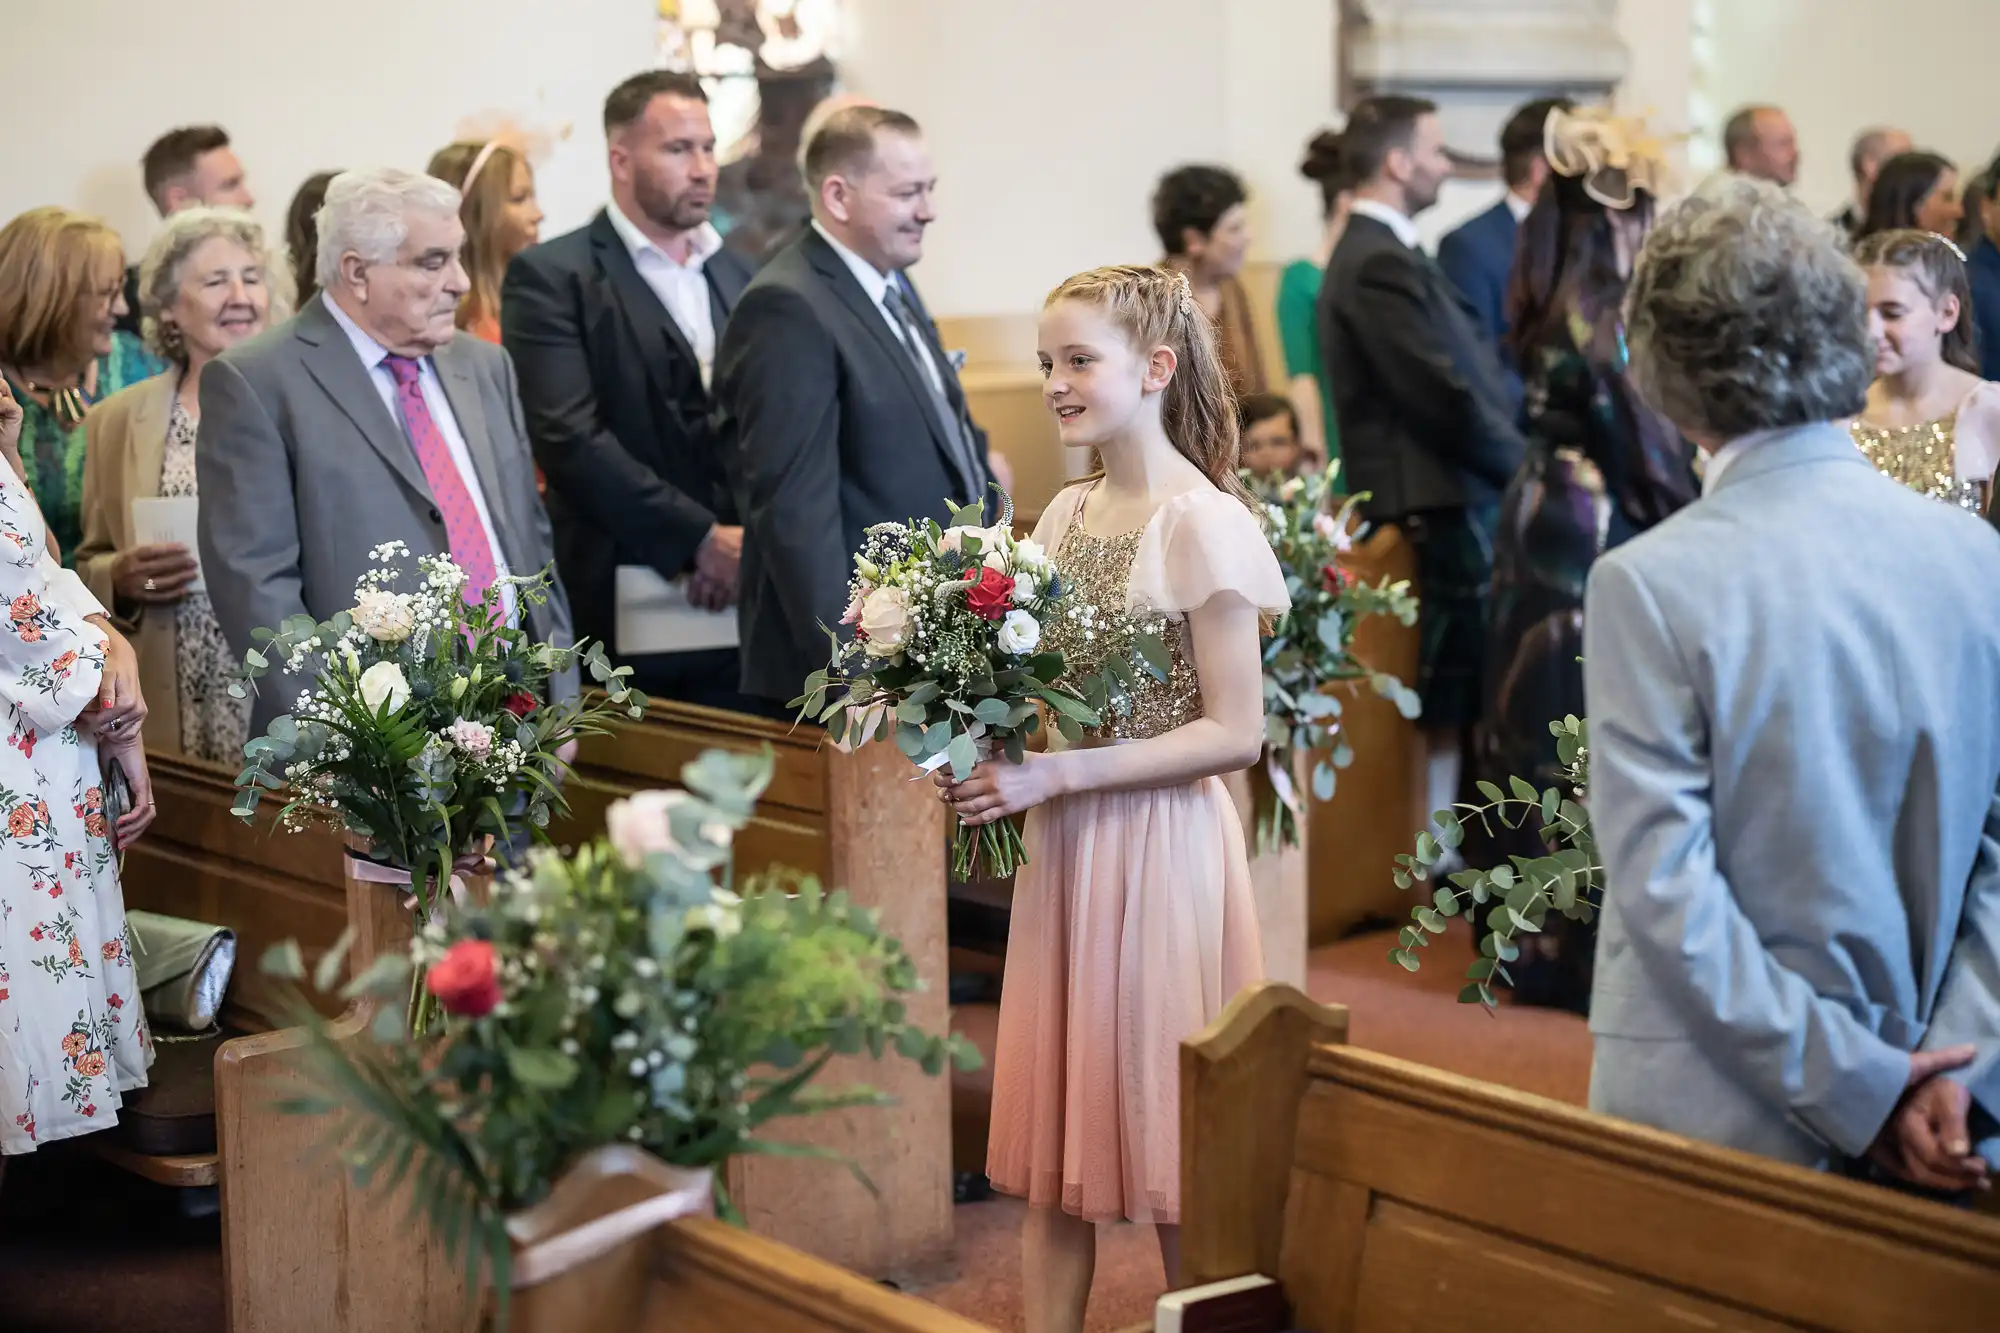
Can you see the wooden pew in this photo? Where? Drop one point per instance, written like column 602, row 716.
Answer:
column 1386, row 1195
column 695, row 1275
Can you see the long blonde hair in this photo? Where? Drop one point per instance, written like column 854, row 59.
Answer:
column 483, row 210
column 1154, row 307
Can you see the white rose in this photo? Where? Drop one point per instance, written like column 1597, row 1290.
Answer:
column 1029, row 554
column 383, row 616
column 1019, row 633
column 996, row 559
column 1026, row 588
column 642, row 824
column 885, row 619
column 383, row 684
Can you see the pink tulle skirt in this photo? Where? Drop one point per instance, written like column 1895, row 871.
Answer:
column 1133, row 925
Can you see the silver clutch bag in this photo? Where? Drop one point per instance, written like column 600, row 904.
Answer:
column 183, row 968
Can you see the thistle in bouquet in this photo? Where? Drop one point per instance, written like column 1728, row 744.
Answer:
column 1310, row 651
column 425, row 725
column 946, row 657
column 622, row 994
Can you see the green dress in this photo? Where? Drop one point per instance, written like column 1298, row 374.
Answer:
column 52, row 457
column 1298, row 330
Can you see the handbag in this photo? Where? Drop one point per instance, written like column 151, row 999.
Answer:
column 183, row 968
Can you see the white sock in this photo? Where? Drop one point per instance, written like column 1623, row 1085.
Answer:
column 1441, row 770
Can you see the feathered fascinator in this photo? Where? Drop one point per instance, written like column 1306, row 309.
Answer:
column 501, row 131
column 1615, row 156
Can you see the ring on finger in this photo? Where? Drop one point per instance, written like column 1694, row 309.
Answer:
column 151, row 585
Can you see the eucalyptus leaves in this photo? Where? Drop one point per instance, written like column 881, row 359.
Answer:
column 1519, row 894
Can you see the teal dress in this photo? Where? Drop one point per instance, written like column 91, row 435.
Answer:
column 52, row 457
column 1298, row 330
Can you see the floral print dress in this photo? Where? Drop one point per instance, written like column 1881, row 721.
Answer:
column 213, row 725
column 73, row 1036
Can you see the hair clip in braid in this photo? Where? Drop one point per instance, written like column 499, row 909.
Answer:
column 1184, row 294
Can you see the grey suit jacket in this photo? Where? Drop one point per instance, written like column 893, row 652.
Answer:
column 1794, row 697
column 303, row 470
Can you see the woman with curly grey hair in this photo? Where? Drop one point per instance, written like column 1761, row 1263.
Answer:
column 204, row 286
column 1793, row 746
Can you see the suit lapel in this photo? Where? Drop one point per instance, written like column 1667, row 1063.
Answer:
column 149, row 435
column 835, row 271
column 648, row 320
column 331, row 360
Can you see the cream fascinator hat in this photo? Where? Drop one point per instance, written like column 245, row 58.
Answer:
column 1615, row 156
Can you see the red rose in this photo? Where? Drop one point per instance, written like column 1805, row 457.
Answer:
column 991, row 595
column 466, row 980
column 521, row 704
column 1334, row 579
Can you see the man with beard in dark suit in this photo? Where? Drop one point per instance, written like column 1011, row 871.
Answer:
column 613, row 329
column 836, row 406
column 1426, row 426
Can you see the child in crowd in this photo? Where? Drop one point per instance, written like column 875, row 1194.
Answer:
column 1931, row 422
column 1270, row 429
column 1133, row 921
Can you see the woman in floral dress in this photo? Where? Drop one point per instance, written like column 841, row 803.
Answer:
column 73, row 1038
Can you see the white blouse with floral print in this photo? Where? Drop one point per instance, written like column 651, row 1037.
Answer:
column 73, row 1036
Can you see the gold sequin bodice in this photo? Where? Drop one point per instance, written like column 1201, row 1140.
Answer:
column 1096, row 626
column 1923, row 457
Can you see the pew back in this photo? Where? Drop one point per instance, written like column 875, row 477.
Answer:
column 1385, row 1195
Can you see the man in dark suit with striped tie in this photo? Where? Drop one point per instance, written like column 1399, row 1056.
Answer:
column 836, row 406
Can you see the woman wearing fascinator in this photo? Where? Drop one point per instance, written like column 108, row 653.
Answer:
column 1931, row 422
column 1600, row 467
column 500, row 213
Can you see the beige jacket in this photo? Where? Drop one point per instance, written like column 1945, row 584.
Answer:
column 125, row 445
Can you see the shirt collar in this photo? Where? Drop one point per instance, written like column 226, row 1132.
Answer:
column 702, row 246
column 1518, row 206
column 1719, row 461
column 873, row 280
column 1406, row 230
column 372, row 353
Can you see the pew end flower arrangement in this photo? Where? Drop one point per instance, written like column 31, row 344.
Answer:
column 1518, row 894
column 1309, row 656
column 622, row 994
column 424, row 728
column 946, row 658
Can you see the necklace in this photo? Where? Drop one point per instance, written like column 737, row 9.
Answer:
column 68, row 402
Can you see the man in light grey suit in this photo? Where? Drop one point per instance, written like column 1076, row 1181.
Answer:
column 1794, row 696
column 363, row 420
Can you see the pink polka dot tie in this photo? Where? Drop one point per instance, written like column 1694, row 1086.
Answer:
column 470, row 549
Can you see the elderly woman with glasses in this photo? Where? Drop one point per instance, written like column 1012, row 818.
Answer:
column 203, row 288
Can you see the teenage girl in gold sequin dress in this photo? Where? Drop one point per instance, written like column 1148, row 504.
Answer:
column 1133, row 921
column 1931, row 422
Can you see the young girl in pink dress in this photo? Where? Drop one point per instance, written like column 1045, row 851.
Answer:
column 1133, row 922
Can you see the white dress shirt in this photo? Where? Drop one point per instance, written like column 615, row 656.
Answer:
column 876, row 283
column 1519, row 207
column 1715, row 464
column 1406, row 230
column 682, row 288
column 373, row 355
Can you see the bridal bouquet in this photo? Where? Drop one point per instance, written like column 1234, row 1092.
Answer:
column 622, row 994
column 947, row 658
column 1311, row 648
column 425, row 727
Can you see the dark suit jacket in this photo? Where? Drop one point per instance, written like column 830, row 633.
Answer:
column 1984, row 270
column 303, row 470
column 1425, row 420
column 616, row 409
column 129, row 321
column 825, row 429
column 1478, row 257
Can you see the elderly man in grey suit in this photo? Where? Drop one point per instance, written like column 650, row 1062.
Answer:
column 1794, row 695
column 363, row 420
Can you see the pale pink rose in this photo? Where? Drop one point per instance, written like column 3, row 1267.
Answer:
column 852, row 616
column 885, row 619
column 642, row 824
column 474, row 738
